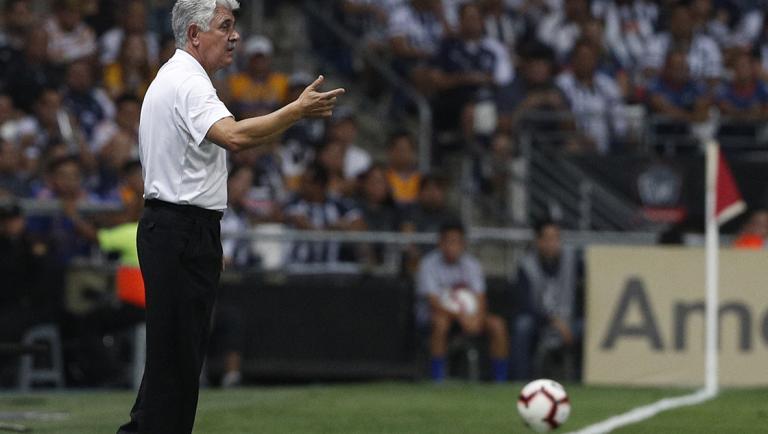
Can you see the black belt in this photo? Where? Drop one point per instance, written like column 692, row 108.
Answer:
column 186, row 210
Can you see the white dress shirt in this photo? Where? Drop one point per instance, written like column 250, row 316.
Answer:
column 179, row 165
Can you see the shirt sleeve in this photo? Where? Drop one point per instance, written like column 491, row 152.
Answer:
column 199, row 107
column 426, row 283
column 476, row 277
column 503, row 73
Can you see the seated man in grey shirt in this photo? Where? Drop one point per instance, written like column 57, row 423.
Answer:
column 450, row 285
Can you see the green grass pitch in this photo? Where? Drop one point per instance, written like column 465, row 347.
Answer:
column 420, row 408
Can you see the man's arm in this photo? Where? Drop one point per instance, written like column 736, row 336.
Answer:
column 236, row 136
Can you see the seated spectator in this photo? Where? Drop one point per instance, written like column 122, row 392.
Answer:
column 130, row 190
column 501, row 181
column 442, row 271
column 297, row 150
column 28, row 75
column 704, row 58
column 378, row 210
column 743, row 101
column 562, row 27
column 503, row 23
column 10, row 123
column 132, row 71
column 630, row 26
column 116, row 142
column 237, row 251
column 403, row 175
column 69, row 38
column 595, row 101
column 13, row 181
column 432, row 209
column 754, row 232
column 314, row 209
column 415, row 31
column 368, row 19
column 308, row 132
column 532, row 100
column 676, row 100
column 52, row 125
column 593, row 33
column 375, row 200
column 64, row 182
column 331, row 158
column 87, row 102
column 132, row 22
column 548, row 319
column 18, row 19
column 427, row 215
column 268, row 191
column 467, row 69
column 258, row 88
column 343, row 129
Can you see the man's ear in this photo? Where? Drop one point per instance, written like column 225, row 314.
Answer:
column 193, row 32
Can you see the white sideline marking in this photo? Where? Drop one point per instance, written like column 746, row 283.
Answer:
column 647, row 411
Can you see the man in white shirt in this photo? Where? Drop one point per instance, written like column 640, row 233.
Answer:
column 184, row 133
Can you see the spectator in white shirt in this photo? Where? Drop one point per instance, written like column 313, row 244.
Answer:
column 705, row 60
column 561, row 28
column 415, row 31
column 630, row 27
column 503, row 23
column 595, row 100
column 69, row 38
column 343, row 129
column 133, row 22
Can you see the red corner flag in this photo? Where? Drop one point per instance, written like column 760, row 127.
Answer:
column 728, row 203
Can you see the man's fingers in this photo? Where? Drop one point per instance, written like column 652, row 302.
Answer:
column 332, row 93
column 315, row 84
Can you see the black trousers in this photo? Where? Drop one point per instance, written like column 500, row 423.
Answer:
column 180, row 258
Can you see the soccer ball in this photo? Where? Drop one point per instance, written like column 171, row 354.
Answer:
column 543, row 405
column 460, row 300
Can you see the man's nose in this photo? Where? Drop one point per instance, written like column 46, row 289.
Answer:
column 235, row 36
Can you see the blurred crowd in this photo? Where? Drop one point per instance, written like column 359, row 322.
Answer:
column 574, row 73
column 604, row 75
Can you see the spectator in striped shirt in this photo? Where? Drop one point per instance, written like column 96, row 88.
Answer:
column 705, row 60
column 630, row 27
column 595, row 101
column 313, row 209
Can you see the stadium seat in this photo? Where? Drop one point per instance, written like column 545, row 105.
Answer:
column 32, row 366
column 468, row 349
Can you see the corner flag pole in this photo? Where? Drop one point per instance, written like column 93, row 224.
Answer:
column 724, row 202
column 712, row 263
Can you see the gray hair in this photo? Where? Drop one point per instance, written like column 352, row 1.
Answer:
column 199, row 12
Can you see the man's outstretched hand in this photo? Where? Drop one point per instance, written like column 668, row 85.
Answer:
column 314, row 103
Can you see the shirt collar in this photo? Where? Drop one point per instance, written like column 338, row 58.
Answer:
column 183, row 56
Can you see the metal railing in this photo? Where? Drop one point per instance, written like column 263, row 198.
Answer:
column 357, row 45
column 498, row 247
